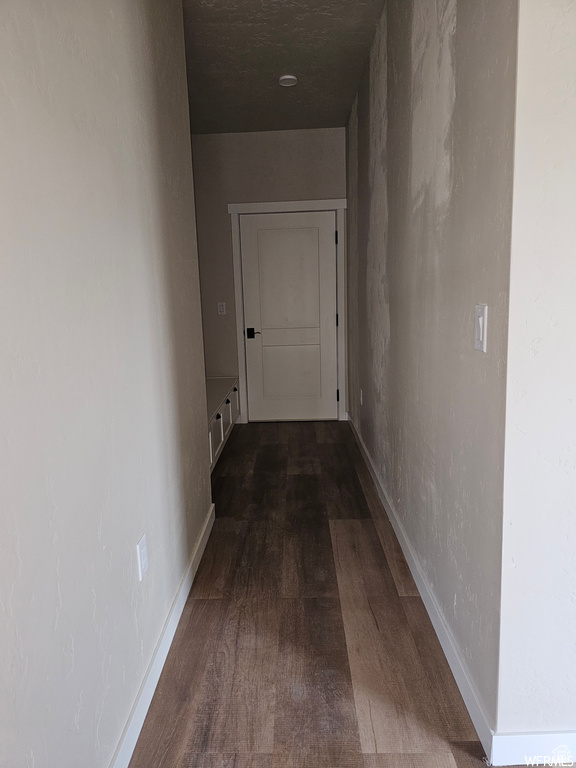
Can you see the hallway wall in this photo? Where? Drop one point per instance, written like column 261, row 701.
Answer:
column 102, row 408
column 251, row 168
column 538, row 650
column 430, row 190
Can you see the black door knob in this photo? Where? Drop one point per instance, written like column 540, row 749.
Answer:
column 251, row 333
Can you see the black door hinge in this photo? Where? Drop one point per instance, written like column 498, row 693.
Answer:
column 336, row 237
column 337, row 395
column 336, row 320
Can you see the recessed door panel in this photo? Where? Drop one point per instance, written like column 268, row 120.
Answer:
column 292, row 372
column 289, row 278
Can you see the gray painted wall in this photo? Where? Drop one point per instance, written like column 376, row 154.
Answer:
column 252, row 168
column 430, row 193
column 103, row 411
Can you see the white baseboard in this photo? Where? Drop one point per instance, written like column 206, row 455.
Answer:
column 129, row 737
column 542, row 748
column 443, row 631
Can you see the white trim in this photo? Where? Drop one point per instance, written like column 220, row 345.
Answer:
column 239, row 301
column 341, row 289
column 514, row 748
column 457, row 664
column 301, row 206
column 131, row 732
column 292, row 206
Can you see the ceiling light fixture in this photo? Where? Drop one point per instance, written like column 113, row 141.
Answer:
column 287, row 81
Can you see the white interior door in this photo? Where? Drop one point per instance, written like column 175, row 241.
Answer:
column 289, row 287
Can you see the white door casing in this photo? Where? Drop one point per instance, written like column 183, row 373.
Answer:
column 289, row 285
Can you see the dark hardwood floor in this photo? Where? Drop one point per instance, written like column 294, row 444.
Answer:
column 304, row 642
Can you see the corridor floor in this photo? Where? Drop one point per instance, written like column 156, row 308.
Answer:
column 304, row 643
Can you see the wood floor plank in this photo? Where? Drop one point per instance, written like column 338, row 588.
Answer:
column 246, row 435
column 304, row 505
column 318, row 761
column 303, row 459
column 333, row 432
column 335, row 458
column 269, row 510
column 457, row 723
column 304, row 465
column 244, row 498
column 395, row 706
column 303, row 489
column 395, row 557
column 269, row 432
column 441, row 760
column 200, row 760
column 231, row 496
column 237, row 460
column 361, row 566
column 162, row 742
column 235, row 711
column 220, row 557
column 341, row 488
column 266, row 491
column 258, row 570
column 267, row 484
column 315, row 713
column 307, row 562
column 272, row 459
column 469, row 754
column 399, row 569
column 239, row 454
column 297, row 432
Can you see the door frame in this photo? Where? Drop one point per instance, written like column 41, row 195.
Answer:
column 236, row 210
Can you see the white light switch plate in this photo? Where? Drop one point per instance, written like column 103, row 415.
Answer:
column 480, row 326
column 142, row 557
column 221, row 307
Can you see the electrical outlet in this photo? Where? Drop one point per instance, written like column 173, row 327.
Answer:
column 361, row 397
column 221, row 307
column 142, row 557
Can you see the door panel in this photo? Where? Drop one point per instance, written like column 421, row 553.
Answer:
column 291, row 372
column 289, row 278
column 289, row 285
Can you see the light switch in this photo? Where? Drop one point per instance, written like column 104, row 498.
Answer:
column 142, row 557
column 221, row 307
column 480, row 326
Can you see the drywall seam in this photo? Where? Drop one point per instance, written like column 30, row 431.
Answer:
column 131, row 732
column 457, row 664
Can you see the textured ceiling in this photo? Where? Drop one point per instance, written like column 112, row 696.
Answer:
column 237, row 49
